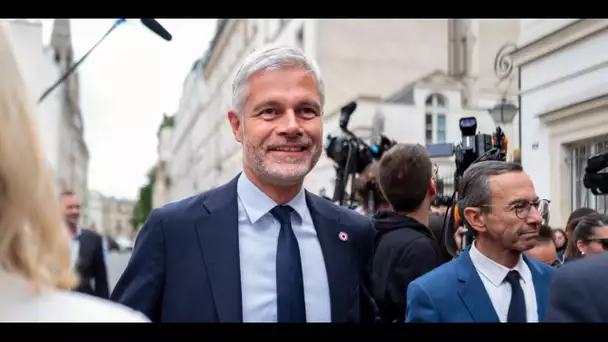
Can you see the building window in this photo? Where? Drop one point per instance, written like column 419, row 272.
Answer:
column 378, row 124
column 440, row 128
column 429, row 128
column 435, row 119
column 581, row 196
column 300, row 38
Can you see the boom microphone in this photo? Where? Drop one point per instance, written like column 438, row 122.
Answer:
column 157, row 28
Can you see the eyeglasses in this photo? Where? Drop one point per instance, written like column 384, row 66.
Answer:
column 522, row 209
column 603, row 242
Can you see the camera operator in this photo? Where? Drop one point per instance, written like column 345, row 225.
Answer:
column 405, row 248
column 368, row 192
column 492, row 281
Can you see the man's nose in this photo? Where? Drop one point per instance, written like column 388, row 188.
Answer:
column 534, row 216
column 289, row 123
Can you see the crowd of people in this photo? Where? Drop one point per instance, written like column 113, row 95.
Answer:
column 263, row 249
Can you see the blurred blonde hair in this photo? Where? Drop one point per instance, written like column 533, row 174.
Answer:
column 33, row 239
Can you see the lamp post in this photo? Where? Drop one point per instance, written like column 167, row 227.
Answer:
column 503, row 112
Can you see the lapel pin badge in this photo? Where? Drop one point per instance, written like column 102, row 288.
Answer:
column 343, row 236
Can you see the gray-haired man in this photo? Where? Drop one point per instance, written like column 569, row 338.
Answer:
column 259, row 248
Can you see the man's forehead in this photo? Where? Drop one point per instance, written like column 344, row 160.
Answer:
column 512, row 186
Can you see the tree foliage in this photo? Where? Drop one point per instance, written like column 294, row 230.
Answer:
column 143, row 206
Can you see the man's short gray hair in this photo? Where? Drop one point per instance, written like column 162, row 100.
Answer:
column 474, row 186
column 268, row 58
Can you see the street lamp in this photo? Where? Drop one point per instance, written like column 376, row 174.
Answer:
column 504, row 112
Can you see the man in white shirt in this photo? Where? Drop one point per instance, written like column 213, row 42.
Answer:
column 493, row 281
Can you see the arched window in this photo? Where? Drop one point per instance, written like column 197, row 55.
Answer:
column 435, row 119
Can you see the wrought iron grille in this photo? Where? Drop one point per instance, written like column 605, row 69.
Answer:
column 580, row 196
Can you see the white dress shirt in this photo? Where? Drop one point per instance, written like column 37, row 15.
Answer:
column 493, row 275
column 75, row 246
column 258, row 238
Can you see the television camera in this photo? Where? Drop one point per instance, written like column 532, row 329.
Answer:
column 474, row 147
column 595, row 180
column 352, row 155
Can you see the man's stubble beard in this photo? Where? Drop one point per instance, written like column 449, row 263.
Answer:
column 284, row 172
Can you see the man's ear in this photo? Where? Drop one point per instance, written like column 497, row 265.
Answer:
column 474, row 219
column 235, row 123
column 432, row 188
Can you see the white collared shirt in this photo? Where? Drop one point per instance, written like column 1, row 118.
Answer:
column 493, row 275
column 75, row 246
column 258, row 237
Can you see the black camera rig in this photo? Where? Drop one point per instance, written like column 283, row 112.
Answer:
column 351, row 155
column 474, row 147
column 595, row 180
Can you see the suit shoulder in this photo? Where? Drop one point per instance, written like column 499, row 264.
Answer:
column 347, row 216
column 434, row 280
column 186, row 209
column 583, row 268
column 543, row 267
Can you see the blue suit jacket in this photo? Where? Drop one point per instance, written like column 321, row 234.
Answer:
column 455, row 293
column 185, row 265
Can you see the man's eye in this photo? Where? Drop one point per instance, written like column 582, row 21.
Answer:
column 521, row 205
column 268, row 111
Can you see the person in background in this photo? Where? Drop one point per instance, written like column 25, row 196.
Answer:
column 88, row 257
column 590, row 236
column 368, row 192
column 436, row 223
column 405, row 248
column 545, row 250
column 260, row 248
column 35, row 271
column 561, row 241
column 493, row 280
column 570, row 249
column 107, row 242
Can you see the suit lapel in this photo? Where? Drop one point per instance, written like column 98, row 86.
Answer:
column 337, row 255
column 472, row 291
column 218, row 238
column 541, row 280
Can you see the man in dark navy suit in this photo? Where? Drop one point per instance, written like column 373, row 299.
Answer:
column 259, row 248
column 577, row 292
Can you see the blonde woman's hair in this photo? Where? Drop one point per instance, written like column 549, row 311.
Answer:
column 33, row 239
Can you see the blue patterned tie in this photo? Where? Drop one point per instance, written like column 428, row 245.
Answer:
column 290, row 285
column 517, row 308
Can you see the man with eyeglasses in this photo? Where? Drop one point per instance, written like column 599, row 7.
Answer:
column 492, row 281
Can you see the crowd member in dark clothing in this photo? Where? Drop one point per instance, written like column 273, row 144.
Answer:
column 561, row 241
column 405, row 248
column 576, row 292
column 368, row 192
column 436, row 223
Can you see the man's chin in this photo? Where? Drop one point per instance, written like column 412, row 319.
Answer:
column 287, row 176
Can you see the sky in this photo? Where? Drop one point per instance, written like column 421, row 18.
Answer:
column 126, row 84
